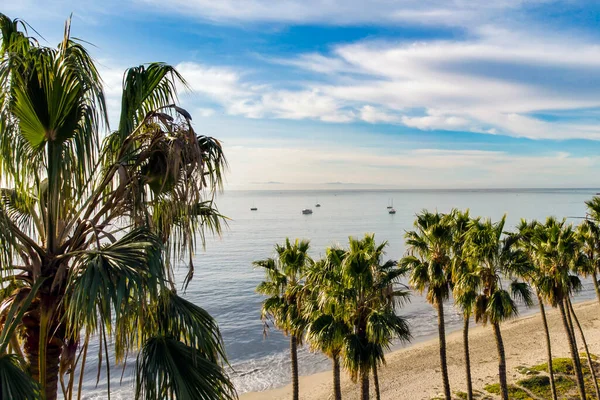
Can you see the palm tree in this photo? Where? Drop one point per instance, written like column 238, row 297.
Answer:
column 372, row 296
column 589, row 234
column 495, row 259
column 325, row 307
column 556, row 248
column 429, row 260
column 535, row 276
column 284, row 286
column 90, row 229
column 464, row 296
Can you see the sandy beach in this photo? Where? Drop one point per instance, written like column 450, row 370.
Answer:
column 413, row 372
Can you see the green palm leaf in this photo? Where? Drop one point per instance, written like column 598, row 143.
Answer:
column 169, row 369
column 15, row 383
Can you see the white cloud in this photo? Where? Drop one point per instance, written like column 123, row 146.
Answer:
column 374, row 115
column 493, row 81
column 436, row 120
column 490, row 83
column 239, row 97
column 219, row 83
column 342, row 12
column 204, row 112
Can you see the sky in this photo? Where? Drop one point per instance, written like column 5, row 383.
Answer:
column 324, row 94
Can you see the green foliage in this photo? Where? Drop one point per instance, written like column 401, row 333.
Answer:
column 15, row 383
column 372, row 293
column 95, row 225
column 540, row 385
column 494, row 258
column 169, row 369
column 559, row 366
column 429, row 260
column 513, row 392
column 284, row 286
column 349, row 301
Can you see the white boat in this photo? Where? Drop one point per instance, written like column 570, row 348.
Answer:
column 318, row 204
column 307, row 211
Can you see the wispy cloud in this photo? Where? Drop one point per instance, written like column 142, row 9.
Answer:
column 344, row 12
column 490, row 83
column 414, row 168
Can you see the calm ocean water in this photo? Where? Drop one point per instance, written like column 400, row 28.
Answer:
column 225, row 280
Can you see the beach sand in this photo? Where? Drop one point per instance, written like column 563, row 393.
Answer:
column 414, row 372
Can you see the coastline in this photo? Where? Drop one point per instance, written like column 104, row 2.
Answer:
column 412, row 372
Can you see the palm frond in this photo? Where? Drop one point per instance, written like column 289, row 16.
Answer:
column 169, row 369
column 15, row 383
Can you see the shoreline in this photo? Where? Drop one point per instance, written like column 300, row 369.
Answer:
column 412, row 372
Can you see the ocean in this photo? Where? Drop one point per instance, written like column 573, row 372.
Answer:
column 225, row 280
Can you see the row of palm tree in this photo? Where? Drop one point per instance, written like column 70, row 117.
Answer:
column 489, row 271
column 90, row 222
column 345, row 304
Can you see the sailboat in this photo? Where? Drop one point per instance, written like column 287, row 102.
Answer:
column 318, row 204
column 253, row 208
column 391, row 209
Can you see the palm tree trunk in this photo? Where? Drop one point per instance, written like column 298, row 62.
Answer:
column 548, row 347
column 442, row 336
column 468, row 357
column 587, row 352
column 572, row 326
column 31, row 348
column 364, row 385
column 337, row 389
column 501, row 362
column 294, row 358
column 573, row 349
column 376, row 382
column 596, row 285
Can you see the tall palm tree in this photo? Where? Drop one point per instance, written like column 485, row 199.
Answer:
column 495, row 259
column 89, row 229
column 589, row 234
column 325, row 307
column 464, row 296
column 429, row 260
column 373, row 293
column 556, row 248
column 535, row 276
column 284, row 286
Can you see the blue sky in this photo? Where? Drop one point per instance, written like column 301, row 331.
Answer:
column 379, row 93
